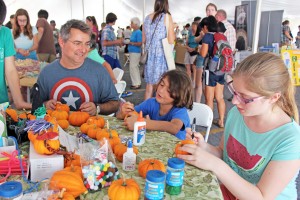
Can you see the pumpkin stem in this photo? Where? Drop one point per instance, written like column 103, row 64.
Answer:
column 124, row 179
column 107, row 124
column 61, row 194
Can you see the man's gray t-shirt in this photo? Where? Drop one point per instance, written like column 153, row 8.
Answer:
column 88, row 83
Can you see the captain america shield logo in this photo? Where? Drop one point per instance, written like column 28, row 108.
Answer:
column 72, row 91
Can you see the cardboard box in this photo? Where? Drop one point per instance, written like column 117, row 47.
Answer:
column 43, row 166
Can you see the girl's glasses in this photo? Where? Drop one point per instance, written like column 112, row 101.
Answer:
column 241, row 99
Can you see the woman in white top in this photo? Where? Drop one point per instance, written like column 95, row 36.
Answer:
column 25, row 36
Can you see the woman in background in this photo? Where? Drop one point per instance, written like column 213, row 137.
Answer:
column 25, row 36
column 154, row 30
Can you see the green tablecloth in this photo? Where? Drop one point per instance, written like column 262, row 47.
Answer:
column 198, row 184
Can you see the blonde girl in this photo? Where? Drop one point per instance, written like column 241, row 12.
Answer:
column 258, row 156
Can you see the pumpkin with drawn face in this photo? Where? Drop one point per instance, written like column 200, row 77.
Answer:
column 46, row 143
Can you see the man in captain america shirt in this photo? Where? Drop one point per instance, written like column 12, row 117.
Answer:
column 75, row 80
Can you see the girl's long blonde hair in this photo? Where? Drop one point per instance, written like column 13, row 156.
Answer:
column 266, row 74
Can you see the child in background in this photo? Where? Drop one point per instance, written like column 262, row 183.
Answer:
column 168, row 110
column 94, row 55
column 258, row 156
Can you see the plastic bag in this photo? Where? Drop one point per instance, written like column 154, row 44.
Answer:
column 98, row 164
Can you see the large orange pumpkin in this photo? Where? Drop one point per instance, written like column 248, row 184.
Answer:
column 180, row 144
column 124, row 189
column 77, row 118
column 150, row 164
column 64, row 107
column 75, row 169
column 70, row 181
column 120, row 149
column 12, row 114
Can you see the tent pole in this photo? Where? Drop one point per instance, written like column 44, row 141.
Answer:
column 103, row 19
column 144, row 8
column 256, row 26
column 82, row 2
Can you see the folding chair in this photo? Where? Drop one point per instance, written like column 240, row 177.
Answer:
column 126, row 58
column 120, row 86
column 118, row 73
column 203, row 115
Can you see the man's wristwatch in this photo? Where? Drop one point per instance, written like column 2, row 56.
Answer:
column 97, row 108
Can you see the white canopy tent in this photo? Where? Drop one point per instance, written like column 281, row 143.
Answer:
column 182, row 11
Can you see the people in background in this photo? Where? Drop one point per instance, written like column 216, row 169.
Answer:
column 8, row 72
column 168, row 110
column 127, row 34
column 285, row 34
column 230, row 32
column 298, row 38
column 92, row 23
column 11, row 22
column 99, row 37
column 211, row 9
column 154, row 30
column 81, row 83
column 94, row 55
column 258, row 156
column 46, row 48
column 214, row 89
column 55, row 35
column 134, row 48
column 25, row 36
column 110, row 43
column 191, row 53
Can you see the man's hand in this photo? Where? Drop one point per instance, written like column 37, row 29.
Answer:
column 51, row 104
column 88, row 107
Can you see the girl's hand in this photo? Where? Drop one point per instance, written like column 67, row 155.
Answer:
column 129, row 122
column 127, row 107
column 195, row 136
column 199, row 157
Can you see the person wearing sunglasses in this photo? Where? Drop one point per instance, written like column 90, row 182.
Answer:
column 258, row 156
column 8, row 71
column 75, row 80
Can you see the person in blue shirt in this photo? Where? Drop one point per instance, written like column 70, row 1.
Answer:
column 168, row 110
column 134, row 49
column 259, row 155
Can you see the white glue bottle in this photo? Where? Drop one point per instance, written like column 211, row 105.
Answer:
column 129, row 158
column 139, row 131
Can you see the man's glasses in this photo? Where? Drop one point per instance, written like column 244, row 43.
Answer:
column 241, row 99
column 81, row 44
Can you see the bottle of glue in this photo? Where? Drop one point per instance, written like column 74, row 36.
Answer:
column 139, row 131
column 129, row 158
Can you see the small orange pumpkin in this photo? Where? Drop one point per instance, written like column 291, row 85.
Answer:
column 63, row 123
column 85, row 126
column 78, row 118
column 47, row 143
column 31, row 136
column 150, row 164
column 31, row 117
column 72, row 159
column 180, row 144
column 106, row 133
column 70, row 181
column 59, row 114
column 131, row 113
column 12, row 114
column 99, row 121
column 23, row 115
column 120, row 149
column 124, row 189
column 64, row 107
column 93, row 131
column 49, row 112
